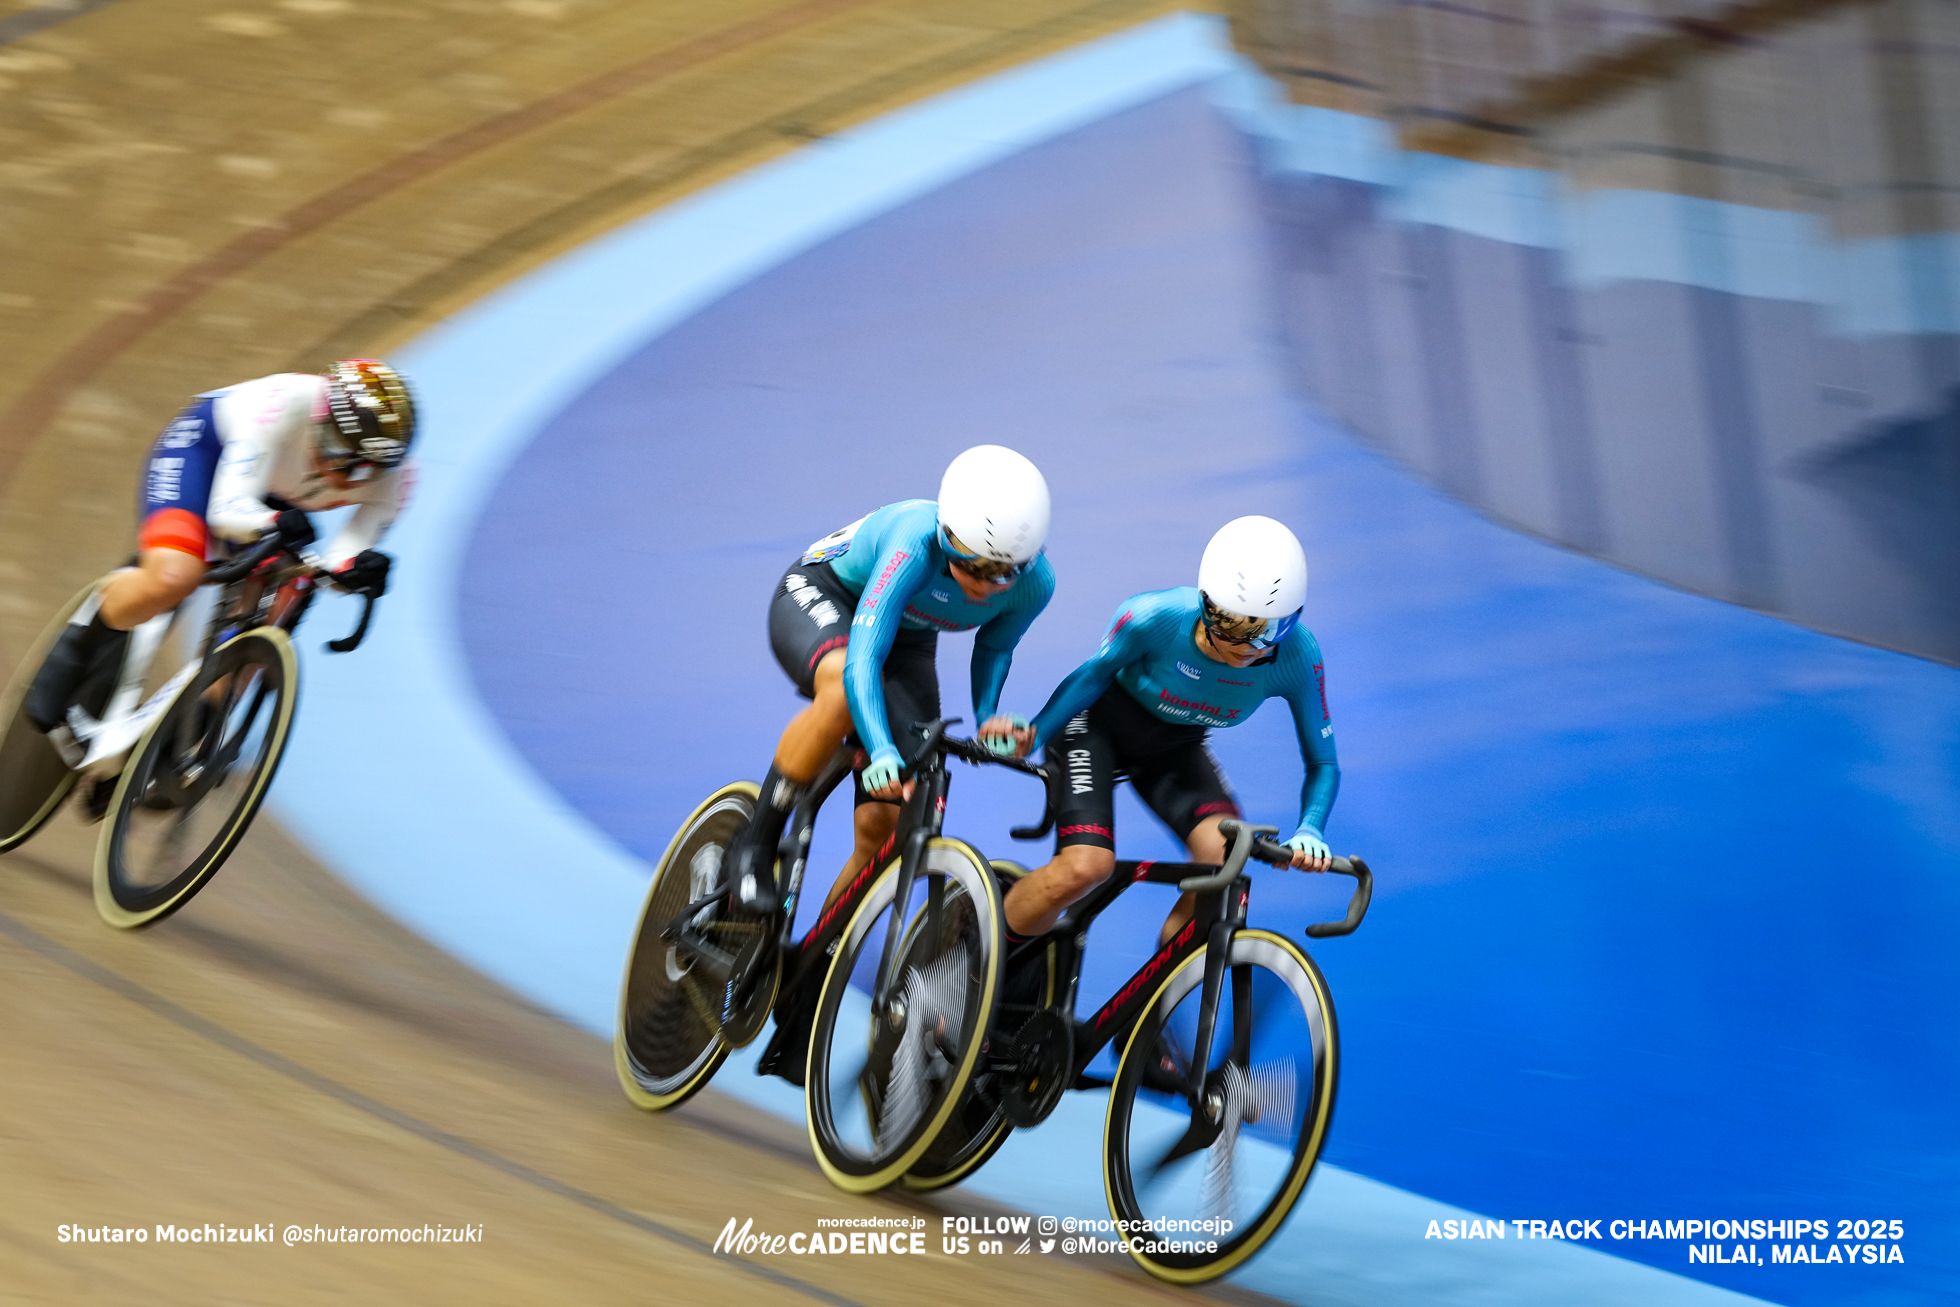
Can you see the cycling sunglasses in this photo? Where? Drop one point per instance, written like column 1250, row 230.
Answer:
column 1254, row 632
column 992, row 570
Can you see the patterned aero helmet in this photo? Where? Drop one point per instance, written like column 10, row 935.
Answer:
column 371, row 416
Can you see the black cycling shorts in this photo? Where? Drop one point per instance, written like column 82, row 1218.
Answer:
column 811, row 614
column 1117, row 739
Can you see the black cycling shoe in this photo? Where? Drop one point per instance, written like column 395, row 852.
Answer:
column 96, row 796
column 83, row 664
column 788, row 1052
column 751, row 874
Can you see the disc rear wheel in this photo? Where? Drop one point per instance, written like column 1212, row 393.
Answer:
column 677, row 1021
column 33, row 777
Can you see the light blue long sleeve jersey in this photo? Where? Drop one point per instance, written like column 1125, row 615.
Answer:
column 1151, row 651
column 894, row 562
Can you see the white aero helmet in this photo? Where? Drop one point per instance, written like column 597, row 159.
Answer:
column 1254, row 581
column 993, row 512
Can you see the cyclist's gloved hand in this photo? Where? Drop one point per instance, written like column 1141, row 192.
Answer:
column 1309, row 849
column 294, row 528
column 366, row 573
column 881, row 774
column 1007, row 734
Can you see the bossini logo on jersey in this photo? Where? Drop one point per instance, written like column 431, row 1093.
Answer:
column 1191, row 672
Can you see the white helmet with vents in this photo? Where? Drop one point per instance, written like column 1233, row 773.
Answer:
column 1255, row 571
column 994, row 505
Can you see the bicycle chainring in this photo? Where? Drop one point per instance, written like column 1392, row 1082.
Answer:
column 751, row 988
column 1040, row 1067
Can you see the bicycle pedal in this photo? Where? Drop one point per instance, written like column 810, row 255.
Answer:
column 93, row 795
column 71, row 750
column 789, row 1046
column 756, row 897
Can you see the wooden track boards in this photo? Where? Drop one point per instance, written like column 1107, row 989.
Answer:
column 193, row 192
column 280, row 1053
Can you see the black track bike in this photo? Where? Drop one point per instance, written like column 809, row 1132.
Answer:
column 1224, row 1087
column 893, row 987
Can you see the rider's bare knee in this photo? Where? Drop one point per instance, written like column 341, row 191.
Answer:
column 1083, row 867
column 163, row 579
column 1206, row 842
column 831, row 703
column 873, row 822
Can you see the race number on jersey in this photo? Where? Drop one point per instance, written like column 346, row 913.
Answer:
column 835, row 545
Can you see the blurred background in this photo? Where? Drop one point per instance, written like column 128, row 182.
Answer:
column 1678, row 286
column 1606, row 361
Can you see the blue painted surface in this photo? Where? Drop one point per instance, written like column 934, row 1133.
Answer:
column 1667, row 909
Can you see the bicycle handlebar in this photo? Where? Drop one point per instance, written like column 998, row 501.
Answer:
column 269, row 547
column 971, row 750
column 1247, row 841
column 1252, row 842
column 349, row 643
column 239, row 567
column 975, row 752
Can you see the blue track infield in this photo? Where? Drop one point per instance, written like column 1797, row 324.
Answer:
column 1666, row 906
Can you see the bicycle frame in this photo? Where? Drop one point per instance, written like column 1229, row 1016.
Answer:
column 1224, row 893
column 1219, row 915
column 269, row 585
column 921, row 820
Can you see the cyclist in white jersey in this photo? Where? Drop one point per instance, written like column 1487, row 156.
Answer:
column 238, row 463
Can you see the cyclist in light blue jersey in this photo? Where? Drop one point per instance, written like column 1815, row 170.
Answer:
column 1175, row 665
column 856, row 621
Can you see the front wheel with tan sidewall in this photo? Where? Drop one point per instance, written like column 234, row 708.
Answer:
column 676, row 1025
column 195, row 780
column 1215, row 1182
column 978, row 1127
column 33, row 778
column 882, row 1083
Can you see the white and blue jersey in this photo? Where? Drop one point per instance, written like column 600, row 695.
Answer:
column 895, row 564
column 1151, row 651
column 220, row 460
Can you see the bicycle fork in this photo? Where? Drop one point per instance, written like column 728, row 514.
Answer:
column 930, row 795
column 1218, row 950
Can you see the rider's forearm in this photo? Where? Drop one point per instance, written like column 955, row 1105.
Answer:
column 989, row 675
column 874, row 629
column 1306, row 698
column 363, row 530
column 1082, row 687
column 864, row 689
column 1323, row 782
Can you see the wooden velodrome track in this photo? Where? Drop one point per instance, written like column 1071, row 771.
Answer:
column 197, row 191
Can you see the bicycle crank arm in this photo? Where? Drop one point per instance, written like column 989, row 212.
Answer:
column 719, row 965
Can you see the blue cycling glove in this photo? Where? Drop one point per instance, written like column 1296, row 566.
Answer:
column 882, row 770
column 1307, row 840
column 1006, row 745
